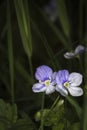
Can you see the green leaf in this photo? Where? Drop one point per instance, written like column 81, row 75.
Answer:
column 75, row 126
column 24, row 124
column 2, row 126
column 54, row 116
column 22, row 12
column 63, row 17
column 8, row 112
column 23, row 18
column 10, row 50
column 76, row 105
column 59, row 126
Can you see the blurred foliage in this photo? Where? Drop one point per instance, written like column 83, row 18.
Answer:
column 28, row 39
column 9, row 119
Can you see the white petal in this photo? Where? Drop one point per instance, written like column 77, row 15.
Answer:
column 69, row 55
column 62, row 90
column 75, row 79
column 38, row 87
column 50, row 89
column 75, row 91
column 79, row 49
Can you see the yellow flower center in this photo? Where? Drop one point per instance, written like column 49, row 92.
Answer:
column 66, row 84
column 47, row 82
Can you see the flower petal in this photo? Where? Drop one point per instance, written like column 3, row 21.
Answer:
column 53, row 78
column 69, row 55
column 50, row 89
column 43, row 72
column 75, row 79
column 38, row 87
column 75, row 91
column 51, row 10
column 79, row 49
column 61, row 90
column 62, row 76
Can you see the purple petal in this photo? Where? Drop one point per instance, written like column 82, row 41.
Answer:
column 43, row 72
column 79, row 49
column 53, row 78
column 53, row 4
column 62, row 76
column 51, row 10
column 38, row 87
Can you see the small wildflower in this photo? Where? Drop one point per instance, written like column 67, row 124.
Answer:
column 78, row 50
column 68, row 83
column 46, row 78
column 51, row 10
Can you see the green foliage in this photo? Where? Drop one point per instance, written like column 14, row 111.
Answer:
column 63, row 17
column 24, row 24
column 75, row 126
column 9, row 118
column 54, row 116
column 8, row 114
column 59, row 126
column 10, row 51
column 23, row 124
column 38, row 114
column 76, row 106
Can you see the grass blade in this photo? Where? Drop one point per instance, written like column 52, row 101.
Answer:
column 63, row 17
column 10, row 50
column 23, row 18
column 76, row 106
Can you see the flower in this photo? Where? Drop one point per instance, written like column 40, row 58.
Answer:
column 51, row 10
column 78, row 50
column 68, row 83
column 46, row 78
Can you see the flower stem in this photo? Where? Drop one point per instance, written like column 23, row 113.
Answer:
column 80, row 64
column 54, row 103
column 75, row 105
column 65, row 107
column 42, row 107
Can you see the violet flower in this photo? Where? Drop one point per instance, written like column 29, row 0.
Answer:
column 51, row 10
column 78, row 50
column 68, row 83
column 46, row 78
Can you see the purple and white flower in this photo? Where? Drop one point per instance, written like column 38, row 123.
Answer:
column 78, row 50
column 68, row 83
column 51, row 10
column 46, row 78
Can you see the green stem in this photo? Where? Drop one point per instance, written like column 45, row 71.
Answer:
column 65, row 108
column 54, row 103
column 75, row 105
column 42, row 107
column 80, row 63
